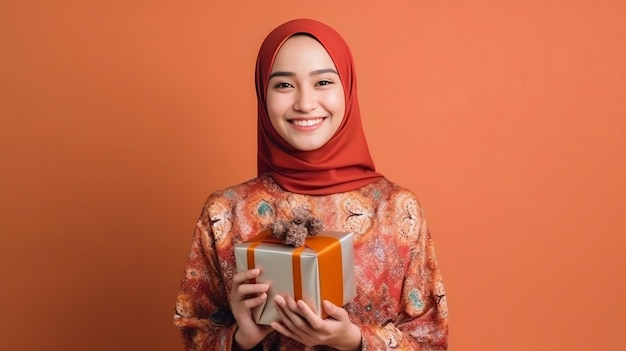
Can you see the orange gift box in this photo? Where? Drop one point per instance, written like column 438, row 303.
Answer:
column 323, row 269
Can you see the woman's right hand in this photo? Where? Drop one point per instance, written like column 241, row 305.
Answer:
column 244, row 297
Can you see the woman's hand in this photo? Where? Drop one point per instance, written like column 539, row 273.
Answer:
column 299, row 322
column 244, row 297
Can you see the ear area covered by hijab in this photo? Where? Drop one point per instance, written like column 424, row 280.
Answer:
column 344, row 162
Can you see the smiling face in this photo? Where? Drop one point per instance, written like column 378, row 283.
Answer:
column 305, row 98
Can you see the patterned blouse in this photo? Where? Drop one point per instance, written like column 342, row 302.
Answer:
column 400, row 303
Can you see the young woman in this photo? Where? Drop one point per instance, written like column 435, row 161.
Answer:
column 313, row 156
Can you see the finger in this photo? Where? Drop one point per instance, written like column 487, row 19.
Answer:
column 252, row 289
column 281, row 305
column 281, row 310
column 289, row 317
column 281, row 329
column 279, row 300
column 296, row 317
column 255, row 301
column 334, row 311
column 291, row 308
column 291, row 303
column 311, row 318
column 244, row 276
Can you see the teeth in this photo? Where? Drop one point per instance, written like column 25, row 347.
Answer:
column 307, row 123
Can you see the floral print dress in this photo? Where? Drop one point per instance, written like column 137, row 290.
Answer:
column 400, row 303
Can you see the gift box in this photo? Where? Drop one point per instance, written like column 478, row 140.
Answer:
column 323, row 269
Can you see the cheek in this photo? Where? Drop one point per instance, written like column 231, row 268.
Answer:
column 337, row 103
column 277, row 106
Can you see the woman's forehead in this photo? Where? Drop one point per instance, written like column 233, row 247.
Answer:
column 301, row 50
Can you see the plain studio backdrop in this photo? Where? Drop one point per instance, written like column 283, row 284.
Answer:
column 506, row 118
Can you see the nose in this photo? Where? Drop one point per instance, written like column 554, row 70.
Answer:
column 305, row 100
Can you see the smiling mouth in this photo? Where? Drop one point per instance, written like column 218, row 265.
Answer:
column 306, row 122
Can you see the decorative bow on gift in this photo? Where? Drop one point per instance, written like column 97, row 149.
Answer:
column 295, row 231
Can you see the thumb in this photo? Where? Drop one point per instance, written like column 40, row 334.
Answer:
column 334, row 311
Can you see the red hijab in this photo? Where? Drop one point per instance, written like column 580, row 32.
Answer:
column 344, row 162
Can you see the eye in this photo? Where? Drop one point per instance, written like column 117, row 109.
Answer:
column 282, row 85
column 324, row 82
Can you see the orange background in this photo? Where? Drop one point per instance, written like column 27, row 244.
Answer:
column 507, row 118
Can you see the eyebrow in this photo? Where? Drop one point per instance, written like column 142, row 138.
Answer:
column 313, row 73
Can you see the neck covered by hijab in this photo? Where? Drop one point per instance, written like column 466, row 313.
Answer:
column 344, row 162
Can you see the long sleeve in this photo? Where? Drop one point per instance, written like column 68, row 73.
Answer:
column 202, row 308
column 423, row 325
column 407, row 288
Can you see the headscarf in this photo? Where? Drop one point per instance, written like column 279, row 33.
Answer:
column 344, row 162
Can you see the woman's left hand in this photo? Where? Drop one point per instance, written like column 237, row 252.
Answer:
column 299, row 322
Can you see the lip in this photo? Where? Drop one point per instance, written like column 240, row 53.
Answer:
column 306, row 123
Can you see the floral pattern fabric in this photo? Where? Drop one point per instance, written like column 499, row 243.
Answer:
column 400, row 303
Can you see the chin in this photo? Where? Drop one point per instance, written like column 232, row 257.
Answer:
column 308, row 147
column 302, row 148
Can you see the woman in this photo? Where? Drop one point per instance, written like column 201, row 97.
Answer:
column 313, row 156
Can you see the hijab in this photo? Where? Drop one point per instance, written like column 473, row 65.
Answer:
column 344, row 162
